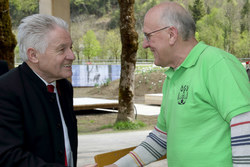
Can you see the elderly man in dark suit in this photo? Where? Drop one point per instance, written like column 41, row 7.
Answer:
column 3, row 67
column 38, row 127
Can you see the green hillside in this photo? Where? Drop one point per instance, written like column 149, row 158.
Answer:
column 224, row 24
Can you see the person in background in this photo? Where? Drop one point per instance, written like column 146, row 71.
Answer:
column 205, row 112
column 248, row 69
column 37, row 124
column 3, row 67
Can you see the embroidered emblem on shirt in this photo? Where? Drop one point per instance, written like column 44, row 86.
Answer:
column 183, row 95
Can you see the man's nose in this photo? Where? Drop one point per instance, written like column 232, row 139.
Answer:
column 145, row 43
column 71, row 55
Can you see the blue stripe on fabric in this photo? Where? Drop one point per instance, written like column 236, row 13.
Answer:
column 241, row 159
column 241, row 144
column 240, row 140
column 151, row 150
column 235, row 141
column 241, row 162
column 160, row 142
column 236, row 137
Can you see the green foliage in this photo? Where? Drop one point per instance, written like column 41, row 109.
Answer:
column 115, row 19
column 108, row 81
column 106, row 126
column 96, row 7
column 197, row 10
column 91, row 45
column 231, row 26
column 141, row 7
column 112, row 45
column 125, row 125
column 221, row 28
column 245, row 16
column 210, row 29
column 128, row 125
column 224, row 24
column 242, row 46
column 22, row 8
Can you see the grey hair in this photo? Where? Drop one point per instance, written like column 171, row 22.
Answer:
column 33, row 30
column 180, row 18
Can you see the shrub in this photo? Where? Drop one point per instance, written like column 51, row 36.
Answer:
column 128, row 125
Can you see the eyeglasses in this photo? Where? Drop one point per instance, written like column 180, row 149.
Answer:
column 147, row 35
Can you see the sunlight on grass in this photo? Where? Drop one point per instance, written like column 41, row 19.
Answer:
column 125, row 125
column 109, row 126
column 128, row 125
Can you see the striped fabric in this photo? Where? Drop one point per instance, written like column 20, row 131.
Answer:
column 240, row 140
column 151, row 149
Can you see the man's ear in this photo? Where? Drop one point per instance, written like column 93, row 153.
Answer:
column 32, row 55
column 173, row 34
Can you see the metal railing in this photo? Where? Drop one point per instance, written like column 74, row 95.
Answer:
column 111, row 61
column 114, row 61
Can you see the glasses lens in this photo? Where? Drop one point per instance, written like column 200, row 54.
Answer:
column 146, row 36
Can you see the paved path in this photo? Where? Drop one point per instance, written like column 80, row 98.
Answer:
column 93, row 144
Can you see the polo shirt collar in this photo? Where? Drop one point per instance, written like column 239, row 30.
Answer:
column 191, row 59
column 194, row 55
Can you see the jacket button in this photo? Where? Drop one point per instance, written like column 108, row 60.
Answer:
column 52, row 99
column 59, row 126
column 60, row 152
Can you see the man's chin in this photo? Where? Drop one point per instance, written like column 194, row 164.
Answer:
column 157, row 63
column 67, row 75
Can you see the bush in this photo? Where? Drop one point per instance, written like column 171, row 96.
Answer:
column 128, row 125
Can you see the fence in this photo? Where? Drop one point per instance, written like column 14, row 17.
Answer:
column 111, row 61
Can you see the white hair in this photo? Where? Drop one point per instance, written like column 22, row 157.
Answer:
column 180, row 18
column 33, row 30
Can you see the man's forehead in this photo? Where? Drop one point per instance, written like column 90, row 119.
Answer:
column 60, row 40
column 150, row 23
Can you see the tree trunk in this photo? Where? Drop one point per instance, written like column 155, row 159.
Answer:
column 129, row 38
column 7, row 38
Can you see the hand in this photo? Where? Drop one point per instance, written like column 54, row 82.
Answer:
column 90, row 165
column 112, row 165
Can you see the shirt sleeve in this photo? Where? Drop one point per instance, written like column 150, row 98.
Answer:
column 150, row 150
column 240, row 140
column 229, row 88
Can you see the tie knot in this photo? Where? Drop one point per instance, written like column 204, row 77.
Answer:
column 50, row 88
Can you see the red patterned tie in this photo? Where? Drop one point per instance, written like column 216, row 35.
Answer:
column 50, row 88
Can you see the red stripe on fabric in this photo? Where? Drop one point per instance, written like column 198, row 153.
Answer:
column 160, row 131
column 136, row 158
column 241, row 123
column 66, row 162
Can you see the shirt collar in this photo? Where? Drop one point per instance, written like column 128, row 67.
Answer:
column 45, row 82
column 191, row 59
column 194, row 55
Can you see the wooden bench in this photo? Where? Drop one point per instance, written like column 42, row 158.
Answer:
column 113, row 156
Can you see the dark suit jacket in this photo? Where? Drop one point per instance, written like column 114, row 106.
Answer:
column 3, row 67
column 31, row 133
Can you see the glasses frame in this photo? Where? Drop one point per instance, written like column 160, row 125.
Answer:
column 147, row 35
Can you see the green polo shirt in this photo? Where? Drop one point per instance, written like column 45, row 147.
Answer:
column 199, row 100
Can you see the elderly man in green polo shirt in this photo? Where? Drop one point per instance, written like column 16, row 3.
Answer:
column 205, row 112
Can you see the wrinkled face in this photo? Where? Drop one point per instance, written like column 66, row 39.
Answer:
column 157, row 41
column 56, row 62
